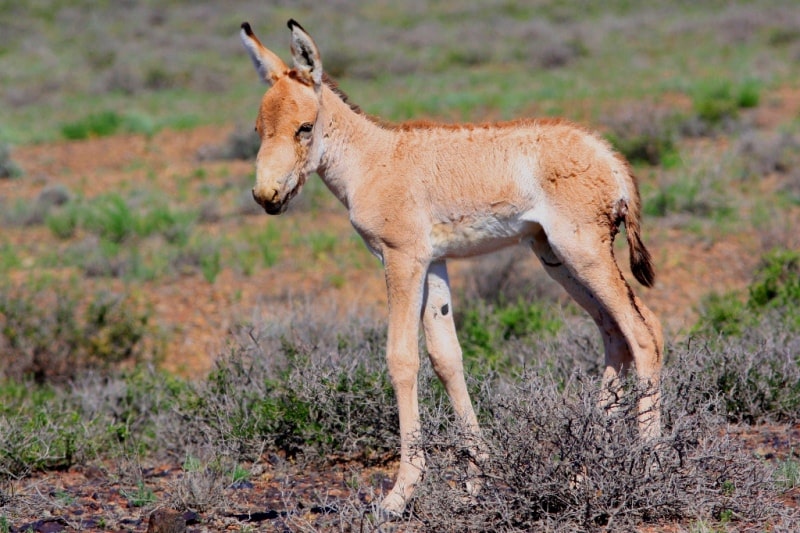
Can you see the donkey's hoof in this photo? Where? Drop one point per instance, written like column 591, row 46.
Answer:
column 393, row 504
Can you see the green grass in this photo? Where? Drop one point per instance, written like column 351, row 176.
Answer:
column 484, row 330
column 141, row 496
column 775, row 286
column 208, row 80
column 8, row 258
column 787, row 474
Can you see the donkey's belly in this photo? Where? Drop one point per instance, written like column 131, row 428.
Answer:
column 477, row 235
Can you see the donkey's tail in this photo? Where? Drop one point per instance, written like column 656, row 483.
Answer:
column 641, row 261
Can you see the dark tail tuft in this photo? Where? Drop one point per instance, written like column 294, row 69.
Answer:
column 641, row 261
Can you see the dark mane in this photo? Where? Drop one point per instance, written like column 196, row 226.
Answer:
column 333, row 86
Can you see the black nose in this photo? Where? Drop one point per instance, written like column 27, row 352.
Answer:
column 270, row 206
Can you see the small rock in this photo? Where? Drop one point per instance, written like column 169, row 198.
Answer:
column 166, row 521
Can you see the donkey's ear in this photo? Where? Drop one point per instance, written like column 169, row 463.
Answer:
column 305, row 54
column 269, row 66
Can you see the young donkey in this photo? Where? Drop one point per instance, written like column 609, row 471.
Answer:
column 420, row 194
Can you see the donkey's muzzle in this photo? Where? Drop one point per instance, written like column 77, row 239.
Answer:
column 273, row 205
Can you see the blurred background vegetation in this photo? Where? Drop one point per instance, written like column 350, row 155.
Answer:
column 179, row 64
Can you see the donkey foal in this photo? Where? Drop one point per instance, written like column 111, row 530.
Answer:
column 419, row 194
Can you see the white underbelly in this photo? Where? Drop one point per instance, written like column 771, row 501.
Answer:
column 477, row 235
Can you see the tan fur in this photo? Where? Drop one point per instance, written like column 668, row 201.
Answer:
column 420, row 193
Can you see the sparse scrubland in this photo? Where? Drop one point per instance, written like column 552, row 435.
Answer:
column 294, row 400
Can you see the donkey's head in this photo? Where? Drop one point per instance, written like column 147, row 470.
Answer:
column 291, row 146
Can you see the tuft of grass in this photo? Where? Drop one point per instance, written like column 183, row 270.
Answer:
column 175, row 226
column 141, row 496
column 64, row 222
column 322, row 243
column 787, row 473
column 111, row 218
column 100, row 124
column 701, row 189
column 107, row 123
column 777, row 284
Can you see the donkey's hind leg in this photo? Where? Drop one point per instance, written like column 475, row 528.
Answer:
column 583, row 263
column 446, row 358
column 442, row 343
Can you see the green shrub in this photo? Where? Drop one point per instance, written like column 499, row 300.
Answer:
column 691, row 193
column 106, row 123
column 777, row 284
column 748, row 94
column 101, row 124
column 111, row 217
column 717, row 104
column 40, row 429
column 64, row 222
column 725, row 314
column 175, row 226
column 268, row 242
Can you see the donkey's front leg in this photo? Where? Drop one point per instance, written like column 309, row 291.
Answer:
column 404, row 282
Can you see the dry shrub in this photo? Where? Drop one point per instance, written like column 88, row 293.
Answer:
column 8, row 168
column 242, row 143
column 753, row 378
column 557, row 461
column 201, row 486
column 309, row 394
column 765, row 153
column 644, row 134
column 52, row 332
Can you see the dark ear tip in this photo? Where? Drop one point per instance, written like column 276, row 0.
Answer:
column 247, row 29
column 292, row 24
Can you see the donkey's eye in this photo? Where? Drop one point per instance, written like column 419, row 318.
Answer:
column 304, row 129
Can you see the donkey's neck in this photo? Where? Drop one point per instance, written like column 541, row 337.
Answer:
column 353, row 144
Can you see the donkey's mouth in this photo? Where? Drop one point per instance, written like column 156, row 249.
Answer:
column 280, row 206
column 274, row 209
